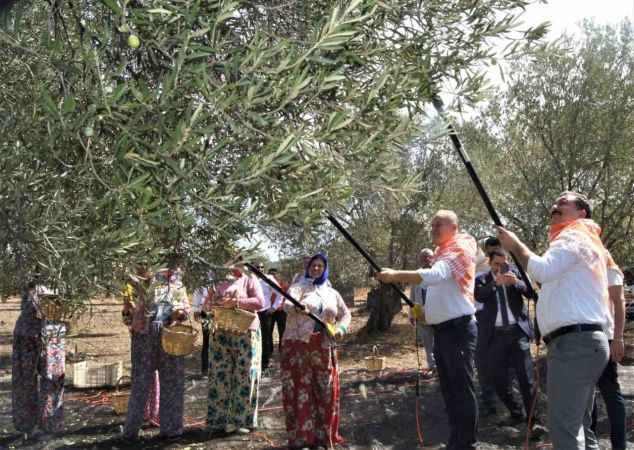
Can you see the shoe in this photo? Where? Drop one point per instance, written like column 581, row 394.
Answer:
column 513, row 420
column 170, row 438
column 229, row 429
column 217, row 434
column 124, row 439
column 243, row 430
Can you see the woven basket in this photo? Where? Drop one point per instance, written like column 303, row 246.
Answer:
column 375, row 363
column 178, row 339
column 120, row 399
column 233, row 320
column 51, row 307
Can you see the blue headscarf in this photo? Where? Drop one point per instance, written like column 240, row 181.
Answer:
column 324, row 276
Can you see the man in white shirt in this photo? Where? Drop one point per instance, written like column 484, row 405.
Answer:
column 424, row 332
column 199, row 296
column 608, row 383
column 272, row 301
column 571, row 313
column 449, row 309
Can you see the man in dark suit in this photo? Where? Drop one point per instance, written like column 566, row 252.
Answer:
column 506, row 331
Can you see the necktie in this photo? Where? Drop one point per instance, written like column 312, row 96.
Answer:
column 504, row 312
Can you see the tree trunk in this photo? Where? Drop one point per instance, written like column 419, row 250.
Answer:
column 384, row 303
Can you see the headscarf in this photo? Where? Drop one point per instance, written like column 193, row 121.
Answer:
column 324, row 276
column 459, row 253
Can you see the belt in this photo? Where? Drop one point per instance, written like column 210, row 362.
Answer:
column 452, row 323
column 571, row 329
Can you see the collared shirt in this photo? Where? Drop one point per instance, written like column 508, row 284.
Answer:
column 272, row 300
column 199, row 298
column 444, row 301
column 323, row 301
column 615, row 278
column 571, row 293
column 501, row 294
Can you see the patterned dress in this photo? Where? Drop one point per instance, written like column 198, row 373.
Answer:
column 310, row 374
column 38, row 358
column 153, row 306
column 234, row 366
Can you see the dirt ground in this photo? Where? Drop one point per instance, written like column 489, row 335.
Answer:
column 378, row 408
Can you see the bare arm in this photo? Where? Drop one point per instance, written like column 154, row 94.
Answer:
column 399, row 276
column 512, row 243
column 618, row 300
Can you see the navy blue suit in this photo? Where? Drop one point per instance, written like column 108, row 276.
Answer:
column 508, row 346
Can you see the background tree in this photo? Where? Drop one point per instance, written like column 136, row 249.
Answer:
column 141, row 131
column 566, row 122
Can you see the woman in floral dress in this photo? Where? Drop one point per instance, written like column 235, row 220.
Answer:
column 235, row 362
column 158, row 302
column 310, row 376
column 38, row 356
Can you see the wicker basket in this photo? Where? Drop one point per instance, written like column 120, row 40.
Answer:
column 120, row 399
column 178, row 339
column 50, row 307
column 232, row 320
column 375, row 363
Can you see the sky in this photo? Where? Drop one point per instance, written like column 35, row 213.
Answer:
column 565, row 15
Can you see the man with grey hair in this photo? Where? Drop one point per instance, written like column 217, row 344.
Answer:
column 449, row 309
column 424, row 332
column 572, row 314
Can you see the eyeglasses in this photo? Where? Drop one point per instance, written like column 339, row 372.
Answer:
column 260, row 267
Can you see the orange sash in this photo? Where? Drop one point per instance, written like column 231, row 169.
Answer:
column 583, row 237
column 460, row 253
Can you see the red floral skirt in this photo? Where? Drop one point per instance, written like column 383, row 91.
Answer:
column 310, row 380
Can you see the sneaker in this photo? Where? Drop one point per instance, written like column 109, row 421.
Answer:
column 229, row 429
column 513, row 420
column 243, row 430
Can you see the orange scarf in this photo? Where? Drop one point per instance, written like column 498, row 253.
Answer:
column 583, row 237
column 460, row 253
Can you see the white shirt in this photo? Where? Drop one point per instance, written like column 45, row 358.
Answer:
column 199, row 298
column 444, row 299
column 482, row 266
column 615, row 278
column 570, row 294
column 268, row 293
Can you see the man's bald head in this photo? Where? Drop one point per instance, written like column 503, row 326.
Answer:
column 425, row 257
column 444, row 226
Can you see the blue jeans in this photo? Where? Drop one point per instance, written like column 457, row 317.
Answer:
column 454, row 348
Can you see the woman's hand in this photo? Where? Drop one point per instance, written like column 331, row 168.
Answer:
column 228, row 302
column 178, row 316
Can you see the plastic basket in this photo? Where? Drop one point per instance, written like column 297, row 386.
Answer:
column 88, row 374
column 178, row 339
column 233, row 320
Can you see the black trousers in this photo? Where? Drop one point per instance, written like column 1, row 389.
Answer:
column 279, row 319
column 487, row 388
column 204, row 353
column 610, row 389
column 268, row 320
column 454, row 348
column 510, row 348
